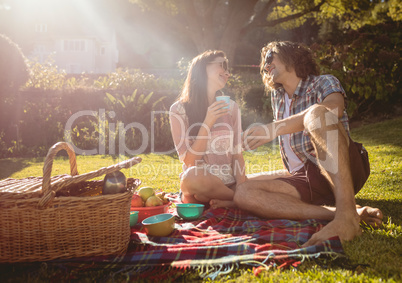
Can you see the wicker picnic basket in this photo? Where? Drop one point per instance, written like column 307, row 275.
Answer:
column 64, row 216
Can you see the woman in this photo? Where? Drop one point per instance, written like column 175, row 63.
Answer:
column 207, row 134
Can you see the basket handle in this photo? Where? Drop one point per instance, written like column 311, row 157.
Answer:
column 50, row 192
column 47, row 167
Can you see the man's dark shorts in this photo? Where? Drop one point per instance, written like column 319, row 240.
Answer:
column 314, row 187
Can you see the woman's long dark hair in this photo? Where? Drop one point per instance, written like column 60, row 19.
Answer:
column 194, row 93
column 293, row 55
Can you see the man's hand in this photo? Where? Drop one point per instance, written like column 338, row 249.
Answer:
column 257, row 136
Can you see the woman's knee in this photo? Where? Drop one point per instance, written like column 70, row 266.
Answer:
column 191, row 174
column 193, row 181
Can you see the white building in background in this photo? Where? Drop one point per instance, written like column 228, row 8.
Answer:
column 76, row 35
column 75, row 52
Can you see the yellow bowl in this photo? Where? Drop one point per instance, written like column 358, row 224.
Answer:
column 160, row 225
column 148, row 211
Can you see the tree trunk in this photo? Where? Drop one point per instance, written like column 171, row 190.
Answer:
column 240, row 12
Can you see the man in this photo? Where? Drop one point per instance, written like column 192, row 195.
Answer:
column 325, row 167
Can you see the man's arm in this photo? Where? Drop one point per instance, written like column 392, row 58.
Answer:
column 259, row 135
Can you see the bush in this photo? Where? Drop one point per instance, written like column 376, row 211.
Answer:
column 247, row 89
column 45, row 76
column 43, row 108
column 127, row 80
column 13, row 69
column 13, row 74
column 368, row 64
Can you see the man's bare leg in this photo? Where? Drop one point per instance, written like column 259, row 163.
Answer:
column 276, row 199
column 270, row 175
column 331, row 145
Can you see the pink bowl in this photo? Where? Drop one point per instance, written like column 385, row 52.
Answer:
column 145, row 212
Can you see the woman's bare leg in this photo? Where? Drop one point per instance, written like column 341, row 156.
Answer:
column 199, row 186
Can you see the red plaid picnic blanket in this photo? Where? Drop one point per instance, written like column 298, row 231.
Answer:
column 221, row 240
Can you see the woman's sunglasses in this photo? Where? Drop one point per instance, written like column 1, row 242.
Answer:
column 224, row 64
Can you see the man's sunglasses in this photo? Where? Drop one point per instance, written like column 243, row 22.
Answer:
column 224, row 64
column 268, row 59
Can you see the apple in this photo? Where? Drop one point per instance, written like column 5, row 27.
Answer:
column 136, row 201
column 146, row 192
column 153, row 201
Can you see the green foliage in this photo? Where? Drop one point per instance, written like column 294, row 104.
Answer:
column 86, row 131
column 138, row 108
column 394, row 10
column 38, row 115
column 352, row 14
column 128, row 80
column 287, row 9
column 247, row 90
column 183, row 65
column 166, row 6
column 368, row 64
column 13, row 74
column 45, row 76
column 13, row 68
column 355, row 13
column 132, row 107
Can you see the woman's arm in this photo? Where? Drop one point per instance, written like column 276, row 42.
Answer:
column 180, row 133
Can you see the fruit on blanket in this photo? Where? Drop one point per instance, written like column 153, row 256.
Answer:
column 136, row 201
column 161, row 195
column 153, row 201
column 146, row 192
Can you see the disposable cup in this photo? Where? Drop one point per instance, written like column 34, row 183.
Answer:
column 225, row 98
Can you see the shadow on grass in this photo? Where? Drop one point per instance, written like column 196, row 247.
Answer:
column 382, row 133
column 10, row 166
column 389, row 208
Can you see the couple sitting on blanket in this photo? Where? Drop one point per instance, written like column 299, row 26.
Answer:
column 324, row 167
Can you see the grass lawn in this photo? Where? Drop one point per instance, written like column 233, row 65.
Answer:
column 376, row 256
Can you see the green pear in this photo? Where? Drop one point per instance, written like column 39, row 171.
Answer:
column 146, row 192
column 153, row 201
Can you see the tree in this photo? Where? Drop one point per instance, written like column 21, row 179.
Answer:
column 220, row 24
column 13, row 74
column 13, row 68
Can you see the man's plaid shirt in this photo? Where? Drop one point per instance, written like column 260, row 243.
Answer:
column 311, row 91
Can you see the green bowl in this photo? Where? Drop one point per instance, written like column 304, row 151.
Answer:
column 189, row 211
column 160, row 225
column 133, row 218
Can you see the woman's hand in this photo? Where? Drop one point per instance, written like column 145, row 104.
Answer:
column 214, row 112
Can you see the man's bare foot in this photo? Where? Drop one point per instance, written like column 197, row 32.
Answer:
column 346, row 228
column 215, row 203
column 370, row 216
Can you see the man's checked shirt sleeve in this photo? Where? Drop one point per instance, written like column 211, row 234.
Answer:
column 311, row 91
